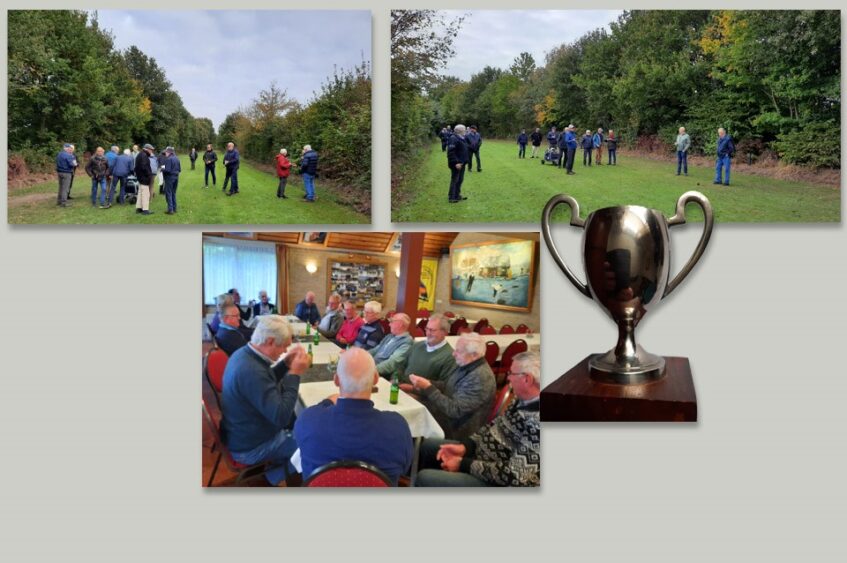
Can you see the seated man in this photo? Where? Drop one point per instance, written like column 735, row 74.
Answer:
column 263, row 307
column 506, row 452
column 390, row 354
column 463, row 407
column 307, row 311
column 370, row 333
column 246, row 312
column 221, row 301
column 433, row 358
column 348, row 427
column 349, row 330
column 330, row 323
column 231, row 335
column 258, row 398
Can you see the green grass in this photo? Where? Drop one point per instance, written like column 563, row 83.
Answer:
column 255, row 204
column 513, row 190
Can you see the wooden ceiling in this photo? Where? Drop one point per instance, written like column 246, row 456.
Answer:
column 362, row 241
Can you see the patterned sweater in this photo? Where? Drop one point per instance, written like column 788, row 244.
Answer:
column 507, row 452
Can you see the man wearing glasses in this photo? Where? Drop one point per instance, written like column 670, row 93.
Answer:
column 505, row 453
column 231, row 334
column 432, row 358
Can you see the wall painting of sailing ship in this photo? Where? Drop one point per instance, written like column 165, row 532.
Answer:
column 499, row 275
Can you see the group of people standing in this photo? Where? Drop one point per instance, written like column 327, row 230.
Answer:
column 725, row 150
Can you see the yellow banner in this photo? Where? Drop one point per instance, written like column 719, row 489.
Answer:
column 429, row 273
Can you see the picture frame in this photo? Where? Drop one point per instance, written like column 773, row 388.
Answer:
column 494, row 275
column 313, row 238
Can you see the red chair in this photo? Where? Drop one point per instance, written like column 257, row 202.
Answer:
column 507, row 329
column 487, row 329
column 422, row 324
column 510, row 352
column 423, row 313
column 347, row 474
column 386, row 326
column 464, row 330
column 522, row 329
column 214, row 365
column 450, row 315
column 479, row 324
column 416, row 332
column 457, row 325
column 501, row 401
column 492, row 352
column 389, row 314
column 244, row 472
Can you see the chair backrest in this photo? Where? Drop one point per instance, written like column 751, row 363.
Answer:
column 492, row 352
column 522, row 329
column 214, row 367
column 422, row 324
column 450, row 314
column 479, row 324
column 389, row 314
column 423, row 313
column 487, row 329
column 386, row 326
column 416, row 332
column 213, row 424
column 511, row 351
column 501, row 401
column 507, row 329
column 211, row 333
column 347, row 474
column 457, row 325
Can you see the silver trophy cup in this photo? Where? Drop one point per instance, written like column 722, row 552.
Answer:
column 626, row 256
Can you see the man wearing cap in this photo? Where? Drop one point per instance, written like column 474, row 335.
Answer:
column 171, row 169
column 65, row 165
column 144, row 173
column 232, row 160
column 570, row 141
column 474, row 140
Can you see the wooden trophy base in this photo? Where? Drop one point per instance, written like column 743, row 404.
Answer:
column 575, row 397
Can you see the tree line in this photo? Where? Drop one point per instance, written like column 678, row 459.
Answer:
column 771, row 78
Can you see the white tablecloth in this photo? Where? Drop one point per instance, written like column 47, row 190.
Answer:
column 533, row 341
column 421, row 422
column 471, row 322
column 323, row 352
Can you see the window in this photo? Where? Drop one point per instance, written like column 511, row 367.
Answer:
column 245, row 265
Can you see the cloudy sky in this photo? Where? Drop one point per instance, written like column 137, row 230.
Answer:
column 218, row 60
column 495, row 38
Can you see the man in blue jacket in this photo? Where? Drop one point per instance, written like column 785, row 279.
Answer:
column 587, row 148
column 552, row 137
column 171, row 170
column 122, row 168
column 111, row 156
column 598, row 140
column 260, row 390
column 726, row 148
column 65, row 165
column 309, row 170
column 307, row 311
column 209, row 159
column 232, row 160
column 457, row 158
column 570, row 141
column 522, row 141
column 474, row 140
column 562, row 145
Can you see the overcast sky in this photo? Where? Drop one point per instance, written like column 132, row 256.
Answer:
column 494, row 38
column 218, row 60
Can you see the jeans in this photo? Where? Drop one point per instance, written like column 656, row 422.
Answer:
column 192, row 163
column 171, row 183
column 95, row 182
column 431, row 474
column 280, row 191
column 719, row 164
column 586, row 157
column 613, row 156
column 521, row 150
column 682, row 162
column 277, row 452
column 115, row 180
column 231, row 174
column 457, row 176
column 309, row 184
column 206, row 175
column 65, row 179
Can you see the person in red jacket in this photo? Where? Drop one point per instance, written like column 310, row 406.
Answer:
column 283, row 169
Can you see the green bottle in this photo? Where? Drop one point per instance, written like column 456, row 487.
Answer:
column 317, row 338
column 394, row 396
column 311, row 355
column 308, row 329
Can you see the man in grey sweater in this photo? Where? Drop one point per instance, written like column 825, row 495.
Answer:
column 330, row 323
column 683, row 143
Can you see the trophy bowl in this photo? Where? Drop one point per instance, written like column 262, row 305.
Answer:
column 626, row 259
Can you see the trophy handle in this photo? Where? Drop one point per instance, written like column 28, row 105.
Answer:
column 548, row 237
column 679, row 219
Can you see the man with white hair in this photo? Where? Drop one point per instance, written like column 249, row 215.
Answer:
column 463, row 406
column 433, row 358
column 232, row 160
column 121, row 169
column 370, row 333
column 66, row 164
column 391, row 353
column 231, row 334
column 283, row 169
column 506, row 452
column 332, row 320
column 306, row 310
column 309, row 169
column 348, row 427
column 457, row 158
column 260, row 389
column 264, row 306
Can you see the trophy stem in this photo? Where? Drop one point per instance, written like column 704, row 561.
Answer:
column 628, row 363
column 626, row 347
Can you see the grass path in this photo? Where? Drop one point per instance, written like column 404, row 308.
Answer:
column 513, row 190
column 256, row 204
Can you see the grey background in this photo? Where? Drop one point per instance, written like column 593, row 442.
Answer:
column 100, row 430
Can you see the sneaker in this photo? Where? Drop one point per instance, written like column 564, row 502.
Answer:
column 283, row 196
column 453, row 200
column 147, row 212
column 571, row 172
column 69, row 197
column 102, row 206
column 726, row 183
column 138, row 210
column 716, row 183
column 463, row 198
column 169, row 212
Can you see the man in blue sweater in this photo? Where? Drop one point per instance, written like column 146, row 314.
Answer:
column 65, row 165
column 725, row 150
column 307, row 311
column 457, row 158
column 171, row 170
column 121, row 169
column 232, row 160
column 260, row 391
column 309, row 170
column 348, row 427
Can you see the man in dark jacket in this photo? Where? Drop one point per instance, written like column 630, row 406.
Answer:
column 612, row 147
column 587, row 144
column 725, row 150
column 570, row 140
column 522, row 140
column 231, row 334
column 562, row 145
column 65, row 165
column 457, row 158
column 309, row 170
column 209, row 159
column 192, row 156
column 171, row 170
column 120, row 172
column 474, row 140
column 445, row 136
column 97, row 169
column 306, row 310
column 232, row 160
column 145, row 174
column 552, row 137
column 535, row 137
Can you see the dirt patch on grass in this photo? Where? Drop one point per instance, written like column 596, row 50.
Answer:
column 29, row 179
column 30, row 198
